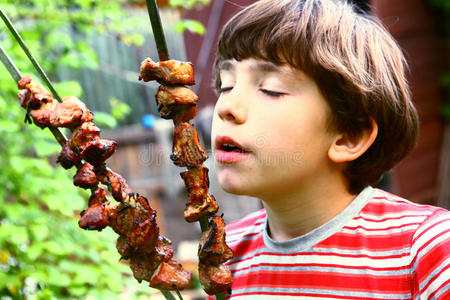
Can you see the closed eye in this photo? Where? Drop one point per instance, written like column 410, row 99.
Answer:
column 225, row 89
column 272, row 93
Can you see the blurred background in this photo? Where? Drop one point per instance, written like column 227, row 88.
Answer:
column 92, row 49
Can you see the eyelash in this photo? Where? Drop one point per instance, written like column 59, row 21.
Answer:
column 267, row 92
column 272, row 93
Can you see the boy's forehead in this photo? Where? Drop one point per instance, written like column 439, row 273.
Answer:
column 261, row 66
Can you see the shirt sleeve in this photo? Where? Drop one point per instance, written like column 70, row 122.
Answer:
column 430, row 252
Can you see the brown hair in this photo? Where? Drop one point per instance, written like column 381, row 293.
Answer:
column 356, row 63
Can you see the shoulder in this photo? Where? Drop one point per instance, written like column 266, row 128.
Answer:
column 384, row 205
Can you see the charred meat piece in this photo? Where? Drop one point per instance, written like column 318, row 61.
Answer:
column 41, row 116
column 176, row 102
column 82, row 135
column 97, row 196
column 123, row 247
column 197, row 182
column 97, row 151
column 96, row 217
column 117, row 185
column 145, row 236
column 215, row 279
column 67, row 158
column 33, row 94
column 187, row 151
column 213, row 248
column 167, row 72
column 143, row 266
column 195, row 210
column 129, row 214
column 70, row 113
column 85, row 177
column 170, row 276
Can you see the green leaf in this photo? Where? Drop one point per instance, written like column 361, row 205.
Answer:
column 105, row 120
column 46, row 148
column 191, row 25
column 69, row 88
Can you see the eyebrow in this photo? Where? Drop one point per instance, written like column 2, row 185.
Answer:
column 260, row 66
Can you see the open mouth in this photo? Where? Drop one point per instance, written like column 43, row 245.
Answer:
column 227, row 144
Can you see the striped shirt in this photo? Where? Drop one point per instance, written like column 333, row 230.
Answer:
column 379, row 247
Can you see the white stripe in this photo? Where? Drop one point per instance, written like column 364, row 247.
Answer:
column 435, row 284
column 381, row 225
column 430, row 235
column 397, row 262
column 397, row 215
column 379, row 232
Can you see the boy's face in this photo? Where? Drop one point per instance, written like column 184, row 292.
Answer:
column 269, row 132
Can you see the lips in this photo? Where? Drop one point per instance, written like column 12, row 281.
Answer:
column 226, row 143
column 228, row 150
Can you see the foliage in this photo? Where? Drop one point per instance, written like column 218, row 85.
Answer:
column 43, row 252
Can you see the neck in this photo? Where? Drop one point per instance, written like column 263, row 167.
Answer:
column 301, row 210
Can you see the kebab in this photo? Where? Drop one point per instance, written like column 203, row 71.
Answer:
column 177, row 102
column 132, row 217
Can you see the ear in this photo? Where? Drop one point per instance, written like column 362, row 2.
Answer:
column 348, row 148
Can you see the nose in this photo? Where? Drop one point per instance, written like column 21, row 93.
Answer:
column 231, row 107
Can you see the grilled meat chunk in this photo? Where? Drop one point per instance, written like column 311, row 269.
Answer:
column 187, row 151
column 97, row 151
column 143, row 266
column 167, row 72
column 41, row 116
column 215, row 279
column 96, row 217
column 85, row 177
column 177, row 103
column 123, row 247
column 170, row 276
column 67, row 158
column 82, row 135
column 145, row 236
column 195, row 210
column 33, row 94
column 197, row 182
column 97, row 196
column 117, row 185
column 213, row 248
column 70, row 113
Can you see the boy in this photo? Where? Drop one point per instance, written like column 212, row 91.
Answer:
column 313, row 108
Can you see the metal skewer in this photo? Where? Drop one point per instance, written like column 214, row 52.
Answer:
column 158, row 31
column 163, row 54
column 27, row 51
column 15, row 73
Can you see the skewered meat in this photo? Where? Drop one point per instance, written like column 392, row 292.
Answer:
column 196, row 210
column 145, row 235
column 70, row 113
column 41, row 116
column 85, row 177
column 143, row 266
column 97, row 151
column 82, row 135
column 167, row 72
column 96, row 217
column 214, row 279
column 33, row 94
column 177, row 103
column 117, row 185
column 97, row 196
column 213, row 248
column 67, row 158
column 197, row 182
column 170, row 276
column 123, row 247
column 186, row 147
